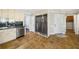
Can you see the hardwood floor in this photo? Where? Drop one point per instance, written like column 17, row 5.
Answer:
column 35, row 41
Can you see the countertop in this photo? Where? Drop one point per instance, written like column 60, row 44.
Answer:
column 4, row 28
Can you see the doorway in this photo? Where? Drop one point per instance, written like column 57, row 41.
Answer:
column 70, row 24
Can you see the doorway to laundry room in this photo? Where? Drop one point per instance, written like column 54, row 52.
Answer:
column 70, row 24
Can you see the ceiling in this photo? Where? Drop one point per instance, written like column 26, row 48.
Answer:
column 32, row 11
column 65, row 10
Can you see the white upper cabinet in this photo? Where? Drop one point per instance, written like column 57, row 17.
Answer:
column 19, row 16
column 12, row 14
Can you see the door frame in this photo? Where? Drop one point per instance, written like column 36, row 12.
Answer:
column 74, row 21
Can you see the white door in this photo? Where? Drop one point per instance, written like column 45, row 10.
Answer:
column 60, row 23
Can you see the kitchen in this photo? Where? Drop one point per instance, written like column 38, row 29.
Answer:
column 11, row 25
column 21, row 28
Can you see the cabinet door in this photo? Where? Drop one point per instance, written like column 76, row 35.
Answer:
column 7, row 35
column 60, row 23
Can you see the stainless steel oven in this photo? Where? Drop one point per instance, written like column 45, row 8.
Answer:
column 19, row 32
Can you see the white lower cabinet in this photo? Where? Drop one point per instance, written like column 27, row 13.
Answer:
column 7, row 35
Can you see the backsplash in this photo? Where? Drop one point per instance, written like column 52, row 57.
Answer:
column 10, row 23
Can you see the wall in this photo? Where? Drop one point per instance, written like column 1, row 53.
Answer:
column 29, row 22
column 40, row 12
column 51, row 23
column 32, row 23
column 77, row 24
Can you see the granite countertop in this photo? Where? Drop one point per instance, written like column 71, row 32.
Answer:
column 4, row 28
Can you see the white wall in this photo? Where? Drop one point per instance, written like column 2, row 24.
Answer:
column 77, row 24
column 32, row 23
column 29, row 23
column 51, row 23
